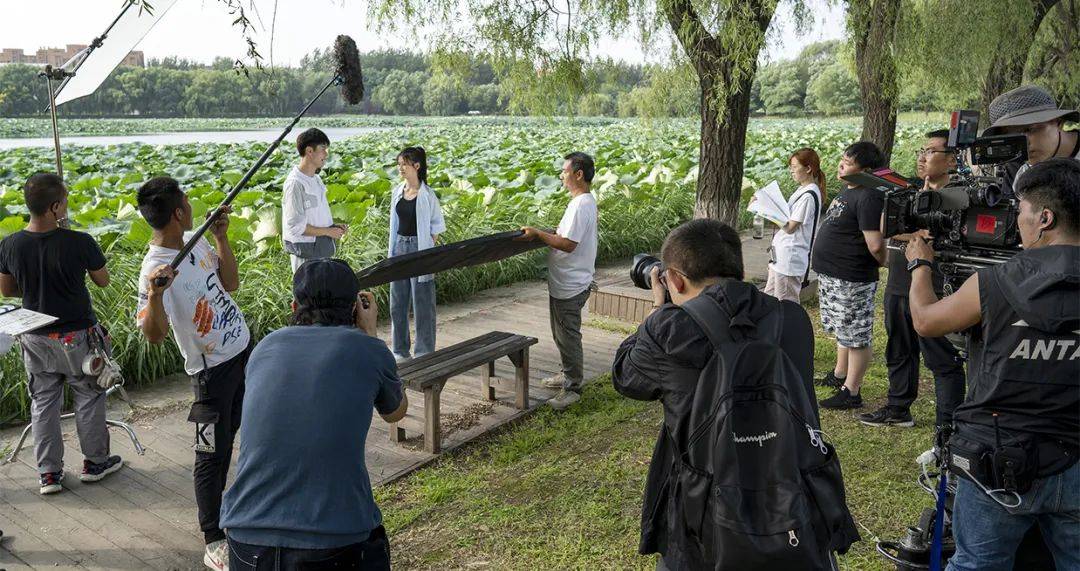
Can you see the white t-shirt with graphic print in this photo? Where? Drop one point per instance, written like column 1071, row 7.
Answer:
column 206, row 323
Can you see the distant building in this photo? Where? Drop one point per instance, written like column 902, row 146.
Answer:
column 56, row 56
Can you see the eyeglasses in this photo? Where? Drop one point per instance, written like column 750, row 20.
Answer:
column 923, row 152
column 663, row 276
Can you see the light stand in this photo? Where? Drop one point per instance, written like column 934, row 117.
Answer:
column 64, row 73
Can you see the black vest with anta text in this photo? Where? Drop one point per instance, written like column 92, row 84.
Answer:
column 1025, row 356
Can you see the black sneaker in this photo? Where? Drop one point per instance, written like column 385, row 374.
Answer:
column 830, row 380
column 842, row 400
column 51, row 483
column 887, row 416
column 92, row 472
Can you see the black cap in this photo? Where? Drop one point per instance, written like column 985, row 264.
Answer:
column 325, row 283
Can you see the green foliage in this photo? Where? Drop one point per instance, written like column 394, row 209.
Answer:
column 491, row 175
column 595, row 104
column 490, row 178
column 485, row 98
column 1054, row 61
column 834, row 91
column 402, row 93
column 782, row 88
column 949, row 46
column 444, row 95
column 22, row 90
column 668, row 92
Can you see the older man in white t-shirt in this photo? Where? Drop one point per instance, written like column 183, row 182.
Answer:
column 307, row 227
column 571, row 266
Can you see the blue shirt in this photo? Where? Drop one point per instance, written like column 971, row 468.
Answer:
column 301, row 479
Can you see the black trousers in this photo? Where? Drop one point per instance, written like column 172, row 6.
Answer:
column 902, row 358
column 219, row 397
column 370, row 555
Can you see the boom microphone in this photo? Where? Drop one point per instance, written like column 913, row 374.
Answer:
column 347, row 70
column 347, row 74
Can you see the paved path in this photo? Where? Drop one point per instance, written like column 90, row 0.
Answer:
column 143, row 517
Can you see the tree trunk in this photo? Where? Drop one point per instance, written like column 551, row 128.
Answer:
column 725, row 77
column 873, row 25
column 720, row 170
column 879, row 119
column 1007, row 69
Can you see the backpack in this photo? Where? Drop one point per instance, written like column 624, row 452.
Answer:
column 755, row 486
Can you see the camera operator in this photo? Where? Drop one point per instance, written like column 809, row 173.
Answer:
column 1017, row 435
column 665, row 358
column 302, row 494
column 935, row 161
column 46, row 264
column 1031, row 110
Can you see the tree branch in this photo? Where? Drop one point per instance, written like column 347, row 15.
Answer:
column 686, row 24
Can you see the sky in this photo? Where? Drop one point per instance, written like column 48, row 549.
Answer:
column 201, row 29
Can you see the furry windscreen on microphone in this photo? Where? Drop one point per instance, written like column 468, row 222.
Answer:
column 348, row 69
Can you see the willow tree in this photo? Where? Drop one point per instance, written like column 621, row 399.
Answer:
column 540, row 46
column 872, row 30
column 970, row 52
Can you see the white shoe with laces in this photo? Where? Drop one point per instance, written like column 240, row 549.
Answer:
column 563, row 399
column 554, row 382
column 217, row 555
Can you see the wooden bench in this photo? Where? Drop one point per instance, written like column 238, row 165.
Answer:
column 428, row 374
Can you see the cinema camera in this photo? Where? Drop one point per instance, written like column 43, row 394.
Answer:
column 972, row 220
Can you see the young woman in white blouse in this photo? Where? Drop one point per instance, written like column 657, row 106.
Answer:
column 416, row 221
column 791, row 245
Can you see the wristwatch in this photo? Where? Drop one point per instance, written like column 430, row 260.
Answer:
column 918, row 262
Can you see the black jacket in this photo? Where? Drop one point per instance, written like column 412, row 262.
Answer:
column 663, row 361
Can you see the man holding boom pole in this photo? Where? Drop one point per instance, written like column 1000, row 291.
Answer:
column 193, row 300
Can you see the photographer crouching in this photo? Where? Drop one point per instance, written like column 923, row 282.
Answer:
column 1017, row 434
column 302, row 497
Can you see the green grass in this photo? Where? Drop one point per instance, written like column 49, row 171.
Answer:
column 564, row 491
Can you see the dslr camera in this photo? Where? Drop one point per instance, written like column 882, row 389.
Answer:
column 973, row 219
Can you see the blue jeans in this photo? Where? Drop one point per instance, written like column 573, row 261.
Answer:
column 370, row 555
column 422, row 297
column 987, row 534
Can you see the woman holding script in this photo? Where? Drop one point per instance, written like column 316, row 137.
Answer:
column 790, row 262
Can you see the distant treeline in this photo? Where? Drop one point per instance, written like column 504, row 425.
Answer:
column 820, row 81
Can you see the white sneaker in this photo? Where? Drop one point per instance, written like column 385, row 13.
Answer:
column 400, row 358
column 217, row 555
column 563, row 399
column 555, row 381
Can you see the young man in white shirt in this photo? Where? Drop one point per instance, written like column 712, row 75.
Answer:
column 210, row 332
column 308, row 228
column 571, row 266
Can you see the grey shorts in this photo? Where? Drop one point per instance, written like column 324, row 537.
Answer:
column 847, row 310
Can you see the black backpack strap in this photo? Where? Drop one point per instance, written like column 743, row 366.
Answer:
column 712, row 317
column 813, row 234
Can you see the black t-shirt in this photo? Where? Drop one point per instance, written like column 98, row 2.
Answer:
column 840, row 249
column 50, row 268
column 899, row 282
column 406, row 211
